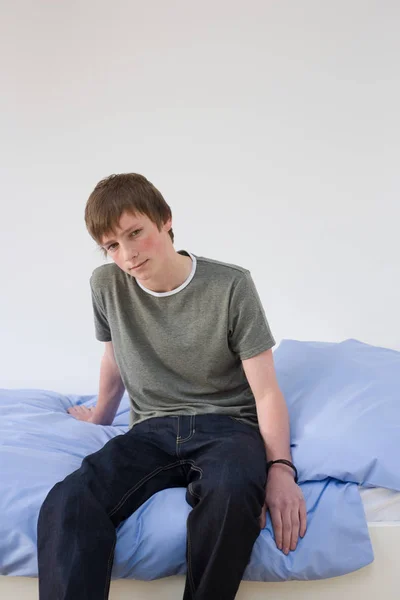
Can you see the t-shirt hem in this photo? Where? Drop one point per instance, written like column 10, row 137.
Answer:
column 103, row 338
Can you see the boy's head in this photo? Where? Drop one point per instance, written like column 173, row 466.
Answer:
column 122, row 194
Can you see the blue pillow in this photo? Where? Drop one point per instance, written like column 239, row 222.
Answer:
column 344, row 405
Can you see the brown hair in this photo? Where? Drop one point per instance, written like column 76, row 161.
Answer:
column 115, row 194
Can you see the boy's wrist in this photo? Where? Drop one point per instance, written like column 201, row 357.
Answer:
column 282, row 465
column 99, row 418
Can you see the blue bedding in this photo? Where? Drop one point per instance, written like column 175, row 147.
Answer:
column 344, row 405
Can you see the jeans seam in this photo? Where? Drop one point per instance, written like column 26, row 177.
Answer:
column 192, row 431
column 190, row 488
column 109, row 567
column 190, row 573
column 177, row 439
column 195, row 467
column 140, row 483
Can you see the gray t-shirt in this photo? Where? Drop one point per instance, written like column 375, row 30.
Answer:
column 180, row 352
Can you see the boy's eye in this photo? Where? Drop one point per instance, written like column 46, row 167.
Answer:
column 112, row 246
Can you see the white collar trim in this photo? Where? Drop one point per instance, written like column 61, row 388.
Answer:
column 176, row 290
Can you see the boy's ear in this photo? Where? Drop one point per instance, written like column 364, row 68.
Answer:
column 168, row 224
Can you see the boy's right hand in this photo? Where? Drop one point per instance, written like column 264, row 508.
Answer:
column 82, row 413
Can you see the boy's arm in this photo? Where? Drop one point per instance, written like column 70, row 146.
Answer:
column 111, row 390
column 284, row 498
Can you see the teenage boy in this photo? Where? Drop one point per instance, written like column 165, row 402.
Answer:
column 188, row 339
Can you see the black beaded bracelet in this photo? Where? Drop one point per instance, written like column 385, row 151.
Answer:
column 283, row 461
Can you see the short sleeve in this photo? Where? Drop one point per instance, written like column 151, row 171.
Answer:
column 102, row 328
column 249, row 331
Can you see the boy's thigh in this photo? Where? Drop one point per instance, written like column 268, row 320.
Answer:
column 229, row 457
column 125, row 472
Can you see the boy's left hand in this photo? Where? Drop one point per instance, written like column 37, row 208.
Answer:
column 286, row 505
column 81, row 412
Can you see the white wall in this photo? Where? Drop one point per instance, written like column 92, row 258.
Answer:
column 271, row 127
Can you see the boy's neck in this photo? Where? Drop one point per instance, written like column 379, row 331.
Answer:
column 173, row 273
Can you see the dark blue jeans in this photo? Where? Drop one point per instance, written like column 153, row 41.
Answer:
column 222, row 463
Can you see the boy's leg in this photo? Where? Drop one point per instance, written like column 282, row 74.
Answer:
column 227, row 478
column 77, row 521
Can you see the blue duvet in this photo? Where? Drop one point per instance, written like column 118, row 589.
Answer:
column 344, row 405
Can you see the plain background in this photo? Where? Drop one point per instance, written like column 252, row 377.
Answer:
column 271, row 128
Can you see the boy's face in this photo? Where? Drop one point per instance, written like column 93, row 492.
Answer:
column 137, row 240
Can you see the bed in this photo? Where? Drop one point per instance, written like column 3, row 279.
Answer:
column 379, row 579
column 344, row 406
